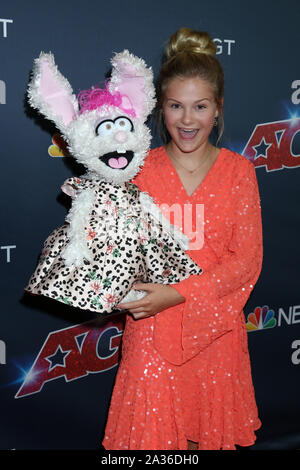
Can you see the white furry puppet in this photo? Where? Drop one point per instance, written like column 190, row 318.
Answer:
column 114, row 234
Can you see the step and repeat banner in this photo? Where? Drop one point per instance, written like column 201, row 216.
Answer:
column 58, row 364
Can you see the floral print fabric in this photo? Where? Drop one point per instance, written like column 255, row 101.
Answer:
column 127, row 245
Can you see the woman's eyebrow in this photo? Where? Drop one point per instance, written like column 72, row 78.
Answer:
column 197, row 101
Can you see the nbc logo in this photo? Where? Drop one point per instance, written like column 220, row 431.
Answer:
column 264, row 317
column 58, row 147
column 261, row 319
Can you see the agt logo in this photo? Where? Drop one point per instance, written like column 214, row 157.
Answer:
column 264, row 318
column 73, row 353
column 3, row 30
column 273, row 144
column 2, row 92
column 2, row 352
column 295, row 98
column 7, row 252
column 296, row 354
column 223, row 46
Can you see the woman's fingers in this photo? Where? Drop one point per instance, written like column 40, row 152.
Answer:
column 159, row 298
column 139, row 315
column 138, row 308
column 132, row 305
column 128, row 305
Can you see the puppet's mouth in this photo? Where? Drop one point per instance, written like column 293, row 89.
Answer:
column 117, row 161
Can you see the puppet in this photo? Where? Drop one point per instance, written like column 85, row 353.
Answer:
column 114, row 234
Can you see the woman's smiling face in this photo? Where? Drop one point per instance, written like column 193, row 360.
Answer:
column 189, row 109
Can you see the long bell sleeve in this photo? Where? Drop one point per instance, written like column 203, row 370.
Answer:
column 215, row 299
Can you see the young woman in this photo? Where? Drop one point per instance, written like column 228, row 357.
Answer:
column 184, row 381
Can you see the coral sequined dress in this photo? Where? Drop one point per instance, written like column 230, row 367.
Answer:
column 185, row 372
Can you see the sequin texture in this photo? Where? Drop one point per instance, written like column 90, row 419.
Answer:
column 185, row 373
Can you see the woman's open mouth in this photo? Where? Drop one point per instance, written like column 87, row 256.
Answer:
column 117, row 161
column 187, row 134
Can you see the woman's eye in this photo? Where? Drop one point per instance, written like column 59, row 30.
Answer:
column 175, row 105
column 123, row 124
column 105, row 128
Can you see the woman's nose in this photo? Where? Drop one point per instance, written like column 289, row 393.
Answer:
column 187, row 116
column 121, row 136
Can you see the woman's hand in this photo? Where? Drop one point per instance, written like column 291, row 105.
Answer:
column 159, row 297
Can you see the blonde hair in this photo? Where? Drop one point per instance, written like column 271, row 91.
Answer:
column 190, row 53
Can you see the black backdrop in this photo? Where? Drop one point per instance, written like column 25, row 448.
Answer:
column 57, row 365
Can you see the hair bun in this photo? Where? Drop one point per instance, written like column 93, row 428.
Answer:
column 190, row 40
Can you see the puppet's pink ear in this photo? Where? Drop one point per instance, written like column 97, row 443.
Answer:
column 134, row 81
column 51, row 94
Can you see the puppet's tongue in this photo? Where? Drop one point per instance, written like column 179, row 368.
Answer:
column 119, row 162
column 116, row 160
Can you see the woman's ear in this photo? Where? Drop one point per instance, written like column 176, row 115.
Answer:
column 221, row 104
column 219, row 108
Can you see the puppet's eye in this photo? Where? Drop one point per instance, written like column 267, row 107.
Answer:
column 105, row 128
column 123, row 124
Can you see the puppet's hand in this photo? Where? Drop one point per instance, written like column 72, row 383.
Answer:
column 159, row 297
column 75, row 254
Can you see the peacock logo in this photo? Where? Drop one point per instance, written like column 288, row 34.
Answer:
column 58, row 147
column 261, row 319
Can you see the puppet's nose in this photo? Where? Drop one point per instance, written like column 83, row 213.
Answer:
column 121, row 137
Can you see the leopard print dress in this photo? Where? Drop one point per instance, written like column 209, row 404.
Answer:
column 127, row 244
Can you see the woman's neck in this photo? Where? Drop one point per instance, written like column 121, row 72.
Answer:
column 192, row 162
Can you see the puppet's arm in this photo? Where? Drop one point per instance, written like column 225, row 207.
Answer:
column 77, row 249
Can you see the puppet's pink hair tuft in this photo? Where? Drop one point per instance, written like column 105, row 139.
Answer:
column 96, row 97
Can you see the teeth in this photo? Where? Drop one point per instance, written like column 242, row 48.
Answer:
column 187, row 133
